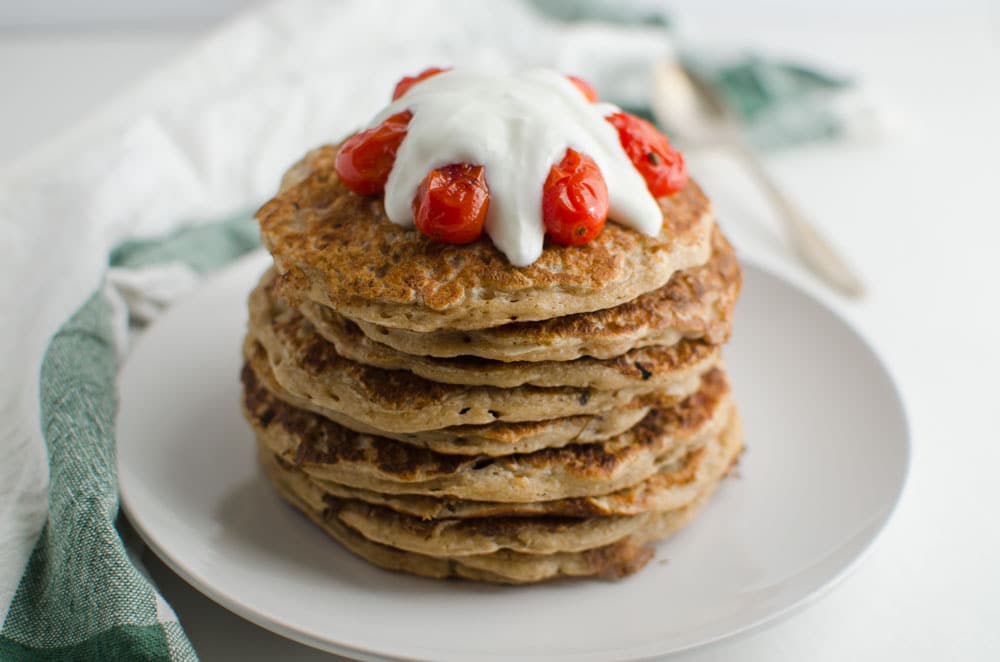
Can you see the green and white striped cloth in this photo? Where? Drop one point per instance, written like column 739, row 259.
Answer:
column 84, row 595
column 81, row 597
column 208, row 135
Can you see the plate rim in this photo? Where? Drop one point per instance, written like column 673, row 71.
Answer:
column 366, row 654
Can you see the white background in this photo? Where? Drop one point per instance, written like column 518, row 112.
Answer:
column 918, row 214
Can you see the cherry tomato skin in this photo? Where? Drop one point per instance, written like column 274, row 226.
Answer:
column 585, row 87
column 451, row 203
column 574, row 200
column 660, row 165
column 365, row 159
column 403, row 86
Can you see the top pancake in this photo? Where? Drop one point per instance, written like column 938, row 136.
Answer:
column 695, row 303
column 339, row 249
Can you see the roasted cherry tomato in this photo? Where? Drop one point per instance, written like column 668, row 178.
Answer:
column 452, row 202
column 409, row 81
column 659, row 164
column 365, row 159
column 585, row 87
column 574, row 200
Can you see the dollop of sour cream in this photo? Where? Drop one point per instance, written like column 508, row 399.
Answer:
column 517, row 126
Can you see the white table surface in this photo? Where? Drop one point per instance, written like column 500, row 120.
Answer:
column 918, row 214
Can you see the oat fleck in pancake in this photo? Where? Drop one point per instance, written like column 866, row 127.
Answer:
column 340, row 250
column 696, row 303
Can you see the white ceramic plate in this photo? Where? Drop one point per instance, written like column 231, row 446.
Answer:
column 826, row 461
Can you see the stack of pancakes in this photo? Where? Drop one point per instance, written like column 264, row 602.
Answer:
column 439, row 411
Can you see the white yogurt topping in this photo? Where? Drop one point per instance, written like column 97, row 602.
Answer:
column 517, row 126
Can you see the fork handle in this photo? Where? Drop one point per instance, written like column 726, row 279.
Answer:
column 813, row 248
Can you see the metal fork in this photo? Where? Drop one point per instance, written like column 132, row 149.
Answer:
column 704, row 99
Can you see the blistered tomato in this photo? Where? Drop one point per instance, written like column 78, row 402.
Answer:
column 649, row 150
column 365, row 159
column 574, row 200
column 585, row 87
column 409, row 81
column 452, row 202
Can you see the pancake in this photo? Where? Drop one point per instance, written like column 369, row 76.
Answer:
column 613, row 561
column 695, row 303
column 499, row 438
column 328, row 451
column 532, row 535
column 400, row 402
column 674, row 486
column 309, row 367
column 339, row 249
column 628, row 371
column 529, row 535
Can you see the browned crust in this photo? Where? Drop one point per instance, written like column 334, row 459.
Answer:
column 339, row 249
column 496, row 438
column 320, row 441
column 610, row 562
column 388, row 386
column 629, row 501
column 679, row 304
column 689, row 471
column 402, row 401
column 695, row 303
